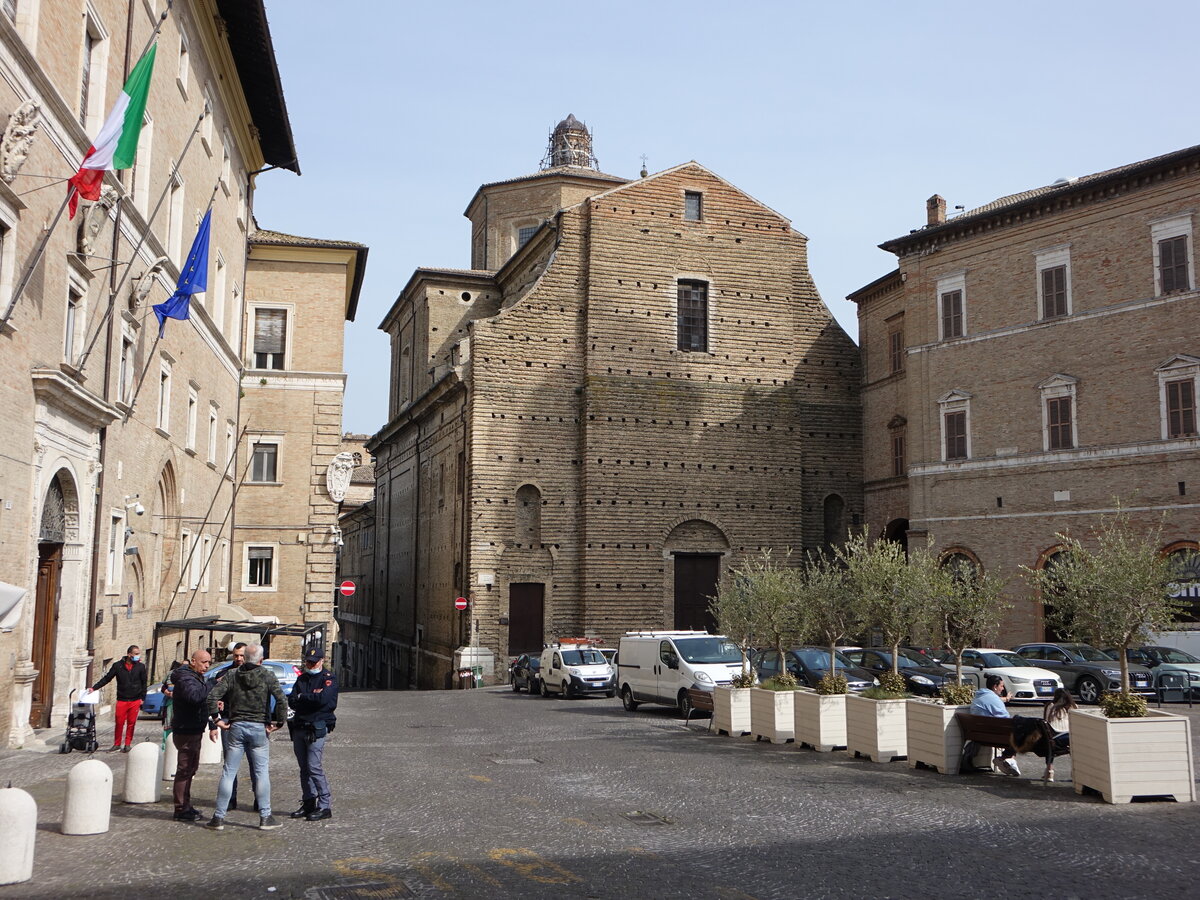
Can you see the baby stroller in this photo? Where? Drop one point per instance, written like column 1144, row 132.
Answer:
column 81, row 728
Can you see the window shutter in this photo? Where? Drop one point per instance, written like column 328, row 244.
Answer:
column 270, row 327
column 260, row 552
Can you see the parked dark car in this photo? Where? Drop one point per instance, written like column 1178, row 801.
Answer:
column 921, row 674
column 524, row 673
column 809, row 665
column 1085, row 670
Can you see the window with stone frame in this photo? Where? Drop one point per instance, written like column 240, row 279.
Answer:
column 525, row 233
column 1173, row 264
column 955, row 427
column 952, row 314
column 1059, row 423
column 260, row 567
column 264, row 462
column 1181, row 408
column 896, row 348
column 1054, row 292
column 270, row 338
column 899, row 468
column 692, row 316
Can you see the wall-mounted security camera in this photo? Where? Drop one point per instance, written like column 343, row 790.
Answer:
column 132, row 502
column 139, row 509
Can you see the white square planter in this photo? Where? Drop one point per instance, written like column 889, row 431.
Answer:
column 876, row 728
column 771, row 715
column 820, row 720
column 731, row 710
column 934, row 736
column 1127, row 758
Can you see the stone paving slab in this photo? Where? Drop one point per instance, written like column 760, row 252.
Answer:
column 488, row 793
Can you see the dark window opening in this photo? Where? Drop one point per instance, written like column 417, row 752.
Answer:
column 952, row 314
column 1173, row 264
column 1181, row 408
column 1058, row 423
column 1054, row 292
column 693, row 316
column 956, row 435
column 693, row 206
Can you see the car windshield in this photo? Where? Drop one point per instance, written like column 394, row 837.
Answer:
column 910, row 658
column 1086, row 653
column 819, row 659
column 1000, row 660
column 708, row 650
column 1171, row 655
column 583, row 658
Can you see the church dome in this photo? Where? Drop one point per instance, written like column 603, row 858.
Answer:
column 570, row 145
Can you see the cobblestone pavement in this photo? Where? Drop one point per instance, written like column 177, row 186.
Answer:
column 488, row 793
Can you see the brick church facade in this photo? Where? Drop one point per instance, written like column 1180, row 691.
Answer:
column 635, row 386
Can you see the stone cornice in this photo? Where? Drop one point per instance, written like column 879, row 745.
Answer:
column 56, row 390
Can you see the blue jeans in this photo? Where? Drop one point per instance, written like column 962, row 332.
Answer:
column 309, row 756
column 246, row 739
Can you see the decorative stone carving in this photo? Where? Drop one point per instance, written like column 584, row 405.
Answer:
column 337, row 476
column 97, row 215
column 144, row 284
column 18, row 138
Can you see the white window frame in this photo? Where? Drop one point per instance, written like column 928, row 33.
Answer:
column 1054, row 387
column 206, row 126
column 230, row 443
column 93, row 116
column 126, row 365
column 252, row 309
column 223, row 575
column 1165, row 229
column 205, row 561
column 175, row 216
column 183, row 71
column 1180, row 367
column 140, row 182
column 74, row 320
column 216, row 299
column 164, row 396
column 213, row 419
column 952, row 402
column 226, row 161
column 1052, row 258
column 113, row 573
column 193, row 412
column 273, row 587
column 276, row 441
column 9, row 219
column 185, row 548
column 955, row 281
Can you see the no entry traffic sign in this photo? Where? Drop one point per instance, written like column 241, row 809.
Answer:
column 346, row 588
column 460, row 602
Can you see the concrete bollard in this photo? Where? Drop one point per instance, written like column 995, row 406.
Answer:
column 211, row 751
column 89, row 798
column 18, row 824
column 170, row 759
column 143, row 773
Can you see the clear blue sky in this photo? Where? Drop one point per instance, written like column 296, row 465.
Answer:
column 844, row 117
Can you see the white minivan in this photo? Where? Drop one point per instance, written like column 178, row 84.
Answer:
column 660, row 666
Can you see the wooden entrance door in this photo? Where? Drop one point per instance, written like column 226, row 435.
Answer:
column 526, row 617
column 45, row 631
column 696, row 576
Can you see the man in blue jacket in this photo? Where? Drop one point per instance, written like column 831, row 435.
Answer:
column 314, row 699
column 989, row 701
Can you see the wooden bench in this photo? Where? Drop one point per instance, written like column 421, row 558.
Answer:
column 995, row 731
column 699, row 701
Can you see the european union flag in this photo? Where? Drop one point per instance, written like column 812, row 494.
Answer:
column 192, row 280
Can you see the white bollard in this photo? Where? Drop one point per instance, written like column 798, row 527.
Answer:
column 143, row 773
column 170, row 760
column 89, row 798
column 211, row 751
column 18, row 824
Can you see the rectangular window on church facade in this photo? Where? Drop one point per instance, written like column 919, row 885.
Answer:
column 692, row 324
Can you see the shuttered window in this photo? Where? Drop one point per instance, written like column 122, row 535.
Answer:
column 956, row 435
column 1173, row 264
column 260, row 566
column 952, row 314
column 270, row 338
column 1058, row 423
column 1054, row 292
column 1181, row 409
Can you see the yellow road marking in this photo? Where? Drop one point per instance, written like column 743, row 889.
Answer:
column 529, row 864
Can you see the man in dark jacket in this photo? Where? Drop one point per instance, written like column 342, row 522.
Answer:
column 247, row 712
column 130, row 673
column 189, row 721
column 314, row 698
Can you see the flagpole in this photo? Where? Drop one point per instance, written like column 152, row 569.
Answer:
column 27, row 274
column 112, row 299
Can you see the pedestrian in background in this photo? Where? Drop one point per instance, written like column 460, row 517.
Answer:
column 189, row 721
column 130, row 674
column 314, row 699
column 243, row 702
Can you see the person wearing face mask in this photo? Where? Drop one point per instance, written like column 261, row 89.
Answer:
column 314, row 699
column 237, row 657
column 130, row 674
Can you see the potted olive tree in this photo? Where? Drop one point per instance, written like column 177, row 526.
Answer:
column 776, row 617
column 893, row 589
column 1113, row 590
column 965, row 606
column 832, row 611
column 734, row 611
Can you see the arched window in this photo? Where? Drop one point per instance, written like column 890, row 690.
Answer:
column 1048, row 560
column 835, row 521
column 529, row 516
column 962, row 563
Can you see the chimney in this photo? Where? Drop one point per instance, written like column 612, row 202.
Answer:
column 935, row 210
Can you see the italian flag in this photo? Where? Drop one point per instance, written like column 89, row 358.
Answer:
column 116, row 144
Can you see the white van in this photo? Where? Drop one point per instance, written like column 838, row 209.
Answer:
column 660, row 666
column 576, row 668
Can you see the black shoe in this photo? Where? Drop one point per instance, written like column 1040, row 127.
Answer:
column 318, row 815
column 189, row 815
column 233, row 804
column 114, row 748
column 306, row 807
column 126, row 748
column 216, row 823
column 267, row 823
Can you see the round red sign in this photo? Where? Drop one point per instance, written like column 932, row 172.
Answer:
column 346, row 588
column 460, row 602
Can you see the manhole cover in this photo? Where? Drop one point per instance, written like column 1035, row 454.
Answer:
column 515, row 762
column 637, row 817
column 377, row 891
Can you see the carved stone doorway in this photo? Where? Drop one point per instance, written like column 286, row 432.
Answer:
column 51, row 537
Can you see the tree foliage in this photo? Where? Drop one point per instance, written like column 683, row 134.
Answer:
column 966, row 609
column 757, row 601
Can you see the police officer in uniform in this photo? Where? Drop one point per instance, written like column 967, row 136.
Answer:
column 314, row 699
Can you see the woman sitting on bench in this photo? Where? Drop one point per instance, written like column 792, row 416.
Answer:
column 1057, row 716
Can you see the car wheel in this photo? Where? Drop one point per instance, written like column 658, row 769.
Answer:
column 685, row 705
column 516, row 687
column 610, row 694
column 535, row 686
column 1089, row 690
column 627, row 700
column 566, row 691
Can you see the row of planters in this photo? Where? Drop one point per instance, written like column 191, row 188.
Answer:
column 1112, row 589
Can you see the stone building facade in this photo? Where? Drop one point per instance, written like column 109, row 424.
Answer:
column 638, row 387
column 1033, row 363
column 300, row 292
column 119, row 446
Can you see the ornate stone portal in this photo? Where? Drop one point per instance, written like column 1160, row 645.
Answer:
column 337, row 476
column 18, row 139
